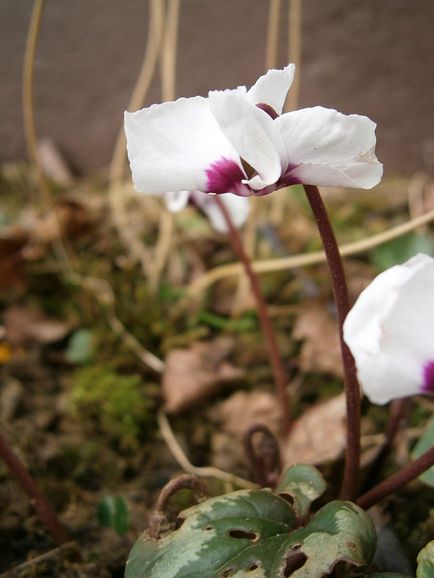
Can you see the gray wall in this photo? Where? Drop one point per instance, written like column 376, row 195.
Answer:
column 372, row 57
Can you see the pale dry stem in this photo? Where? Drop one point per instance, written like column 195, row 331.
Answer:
column 204, row 472
column 118, row 195
column 279, row 199
column 168, row 82
column 302, row 260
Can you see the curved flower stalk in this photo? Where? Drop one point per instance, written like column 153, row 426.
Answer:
column 390, row 332
column 237, row 141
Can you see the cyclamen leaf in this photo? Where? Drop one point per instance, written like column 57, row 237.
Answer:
column 304, row 484
column 251, row 534
column 425, row 561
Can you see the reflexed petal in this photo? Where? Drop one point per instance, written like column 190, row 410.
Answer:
column 238, row 207
column 272, row 88
column 389, row 332
column 330, row 148
column 171, row 145
column 252, row 133
column 176, row 200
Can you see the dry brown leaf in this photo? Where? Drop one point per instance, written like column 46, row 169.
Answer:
column 234, row 416
column 24, row 325
column 320, row 351
column 198, row 372
column 243, row 409
column 319, row 435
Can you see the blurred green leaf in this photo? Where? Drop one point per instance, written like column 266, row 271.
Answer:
column 244, row 323
column 401, row 249
column 425, row 442
column 113, row 513
column 425, row 561
column 80, row 347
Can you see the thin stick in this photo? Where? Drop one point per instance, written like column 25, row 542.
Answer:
column 28, row 113
column 266, row 325
column 16, row 570
column 397, row 481
column 249, row 233
column 204, row 472
column 294, row 51
column 168, row 90
column 303, row 259
column 280, row 198
column 37, row 498
column 272, row 34
column 350, row 483
column 118, row 199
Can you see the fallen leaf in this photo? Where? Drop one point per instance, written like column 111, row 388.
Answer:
column 233, row 417
column 318, row 330
column 318, row 436
column 198, row 372
column 25, row 325
column 243, row 409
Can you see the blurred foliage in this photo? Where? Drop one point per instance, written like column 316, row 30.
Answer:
column 113, row 513
column 401, row 249
column 114, row 403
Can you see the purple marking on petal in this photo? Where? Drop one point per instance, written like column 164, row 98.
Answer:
column 428, row 378
column 225, row 176
column 290, row 177
column 268, row 109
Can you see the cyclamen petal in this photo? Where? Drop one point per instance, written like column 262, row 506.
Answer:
column 235, row 142
column 390, row 332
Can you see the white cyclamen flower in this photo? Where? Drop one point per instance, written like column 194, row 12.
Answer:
column 390, row 332
column 237, row 141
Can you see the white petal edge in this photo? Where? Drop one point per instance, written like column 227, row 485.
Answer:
column 171, row 145
column 329, row 148
column 176, row 200
column 238, row 207
column 252, row 133
column 272, row 88
column 389, row 330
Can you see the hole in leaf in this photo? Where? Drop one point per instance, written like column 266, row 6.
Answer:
column 253, row 566
column 294, row 561
column 242, row 534
column 228, row 572
column 208, row 528
column 288, row 498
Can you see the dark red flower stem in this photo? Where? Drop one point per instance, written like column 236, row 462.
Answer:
column 37, row 498
column 266, row 325
column 350, row 484
column 397, row 481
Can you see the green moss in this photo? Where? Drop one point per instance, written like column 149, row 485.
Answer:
column 111, row 403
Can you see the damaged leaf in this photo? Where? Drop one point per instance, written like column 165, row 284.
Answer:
column 251, row 534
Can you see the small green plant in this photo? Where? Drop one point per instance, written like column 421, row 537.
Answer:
column 113, row 513
column 111, row 403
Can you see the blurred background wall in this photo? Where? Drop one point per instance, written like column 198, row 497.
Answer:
column 373, row 57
